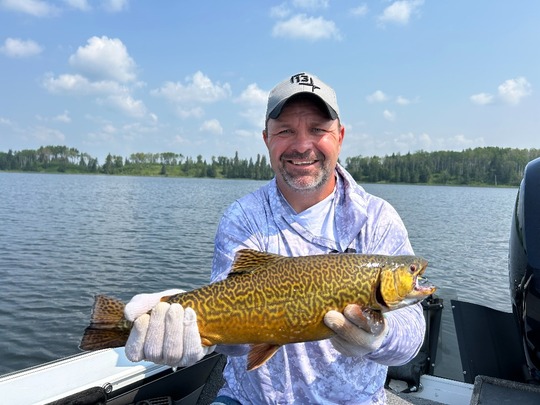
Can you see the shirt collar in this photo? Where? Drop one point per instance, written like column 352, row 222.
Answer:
column 349, row 210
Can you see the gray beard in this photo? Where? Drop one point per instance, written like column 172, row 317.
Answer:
column 312, row 184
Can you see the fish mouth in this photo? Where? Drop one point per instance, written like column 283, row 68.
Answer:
column 422, row 287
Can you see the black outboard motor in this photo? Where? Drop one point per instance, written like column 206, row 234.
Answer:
column 524, row 265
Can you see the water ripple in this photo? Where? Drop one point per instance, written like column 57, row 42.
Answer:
column 65, row 238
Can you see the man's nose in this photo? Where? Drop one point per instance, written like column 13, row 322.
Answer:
column 303, row 140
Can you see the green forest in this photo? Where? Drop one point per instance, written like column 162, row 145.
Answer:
column 491, row 166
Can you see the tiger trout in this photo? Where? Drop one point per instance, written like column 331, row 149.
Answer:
column 270, row 300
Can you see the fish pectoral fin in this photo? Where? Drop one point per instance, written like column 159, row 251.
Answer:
column 206, row 342
column 260, row 354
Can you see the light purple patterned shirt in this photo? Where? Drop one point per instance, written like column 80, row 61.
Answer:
column 314, row 372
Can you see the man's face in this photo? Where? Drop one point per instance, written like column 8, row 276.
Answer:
column 304, row 145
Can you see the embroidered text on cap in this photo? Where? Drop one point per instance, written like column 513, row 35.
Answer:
column 304, row 80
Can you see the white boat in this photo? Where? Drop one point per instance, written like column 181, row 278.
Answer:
column 499, row 352
column 107, row 377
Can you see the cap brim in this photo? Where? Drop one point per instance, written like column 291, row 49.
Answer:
column 277, row 109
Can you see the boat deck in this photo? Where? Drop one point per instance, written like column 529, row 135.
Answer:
column 405, row 399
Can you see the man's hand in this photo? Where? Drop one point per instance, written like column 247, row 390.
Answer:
column 359, row 331
column 167, row 335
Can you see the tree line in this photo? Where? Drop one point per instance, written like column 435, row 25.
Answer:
column 478, row 166
column 63, row 159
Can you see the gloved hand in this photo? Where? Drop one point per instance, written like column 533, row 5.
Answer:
column 359, row 331
column 167, row 335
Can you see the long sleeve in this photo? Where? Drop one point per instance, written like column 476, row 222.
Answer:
column 315, row 372
column 406, row 329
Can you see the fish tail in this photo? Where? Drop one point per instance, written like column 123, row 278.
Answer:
column 108, row 328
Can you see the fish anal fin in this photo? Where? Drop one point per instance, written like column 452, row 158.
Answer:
column 249, row 260
column 260, row 354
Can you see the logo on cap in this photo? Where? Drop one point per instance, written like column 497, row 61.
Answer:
column 304, row 80
column 297, row 84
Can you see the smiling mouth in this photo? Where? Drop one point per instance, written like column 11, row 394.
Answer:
column 301, row 162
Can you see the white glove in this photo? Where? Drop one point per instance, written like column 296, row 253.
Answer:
column 358, row 331
column 167, row 335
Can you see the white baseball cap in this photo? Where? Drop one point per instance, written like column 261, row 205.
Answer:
column 301, row 83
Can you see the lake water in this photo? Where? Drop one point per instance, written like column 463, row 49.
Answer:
column 64, row 238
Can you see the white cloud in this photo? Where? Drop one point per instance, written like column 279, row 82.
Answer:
column 461, row 141
column 482, row 98
column 180, row 140
column 513, row 90
column 400, row 12
column 385, row 143
column 244, row 133
column 36, row 8
column 137, row 130
column 424, row 140
column 5, row 121
column 402, row 100
column 64, row 117
column 48, row 135
column 104, row 58
column 389, row 115
column 280, row 11
column 211, row 126
column 18, row 48
column 377, row 97
column 125, row 103
column 66, row 83
column 411, row 142
column 79, row 85
column 109, row 92
column 115, row 6
column 105, row 134
column 81, row 5
column 303, row 27
column 42, row 8
column 199, row 88
column 360, row 11
column 253, row 99
column 406, row 142
column 310, row 4
column 253, row 95
column 196, row 112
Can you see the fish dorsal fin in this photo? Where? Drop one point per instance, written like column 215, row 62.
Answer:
column 249, row 260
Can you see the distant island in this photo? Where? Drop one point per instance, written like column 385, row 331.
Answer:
column 487, row 166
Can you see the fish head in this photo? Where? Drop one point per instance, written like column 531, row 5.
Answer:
column 401, row 283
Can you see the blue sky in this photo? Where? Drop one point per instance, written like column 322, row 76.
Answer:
column 191, row 77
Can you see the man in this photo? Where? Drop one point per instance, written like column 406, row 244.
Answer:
column 312, row 206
